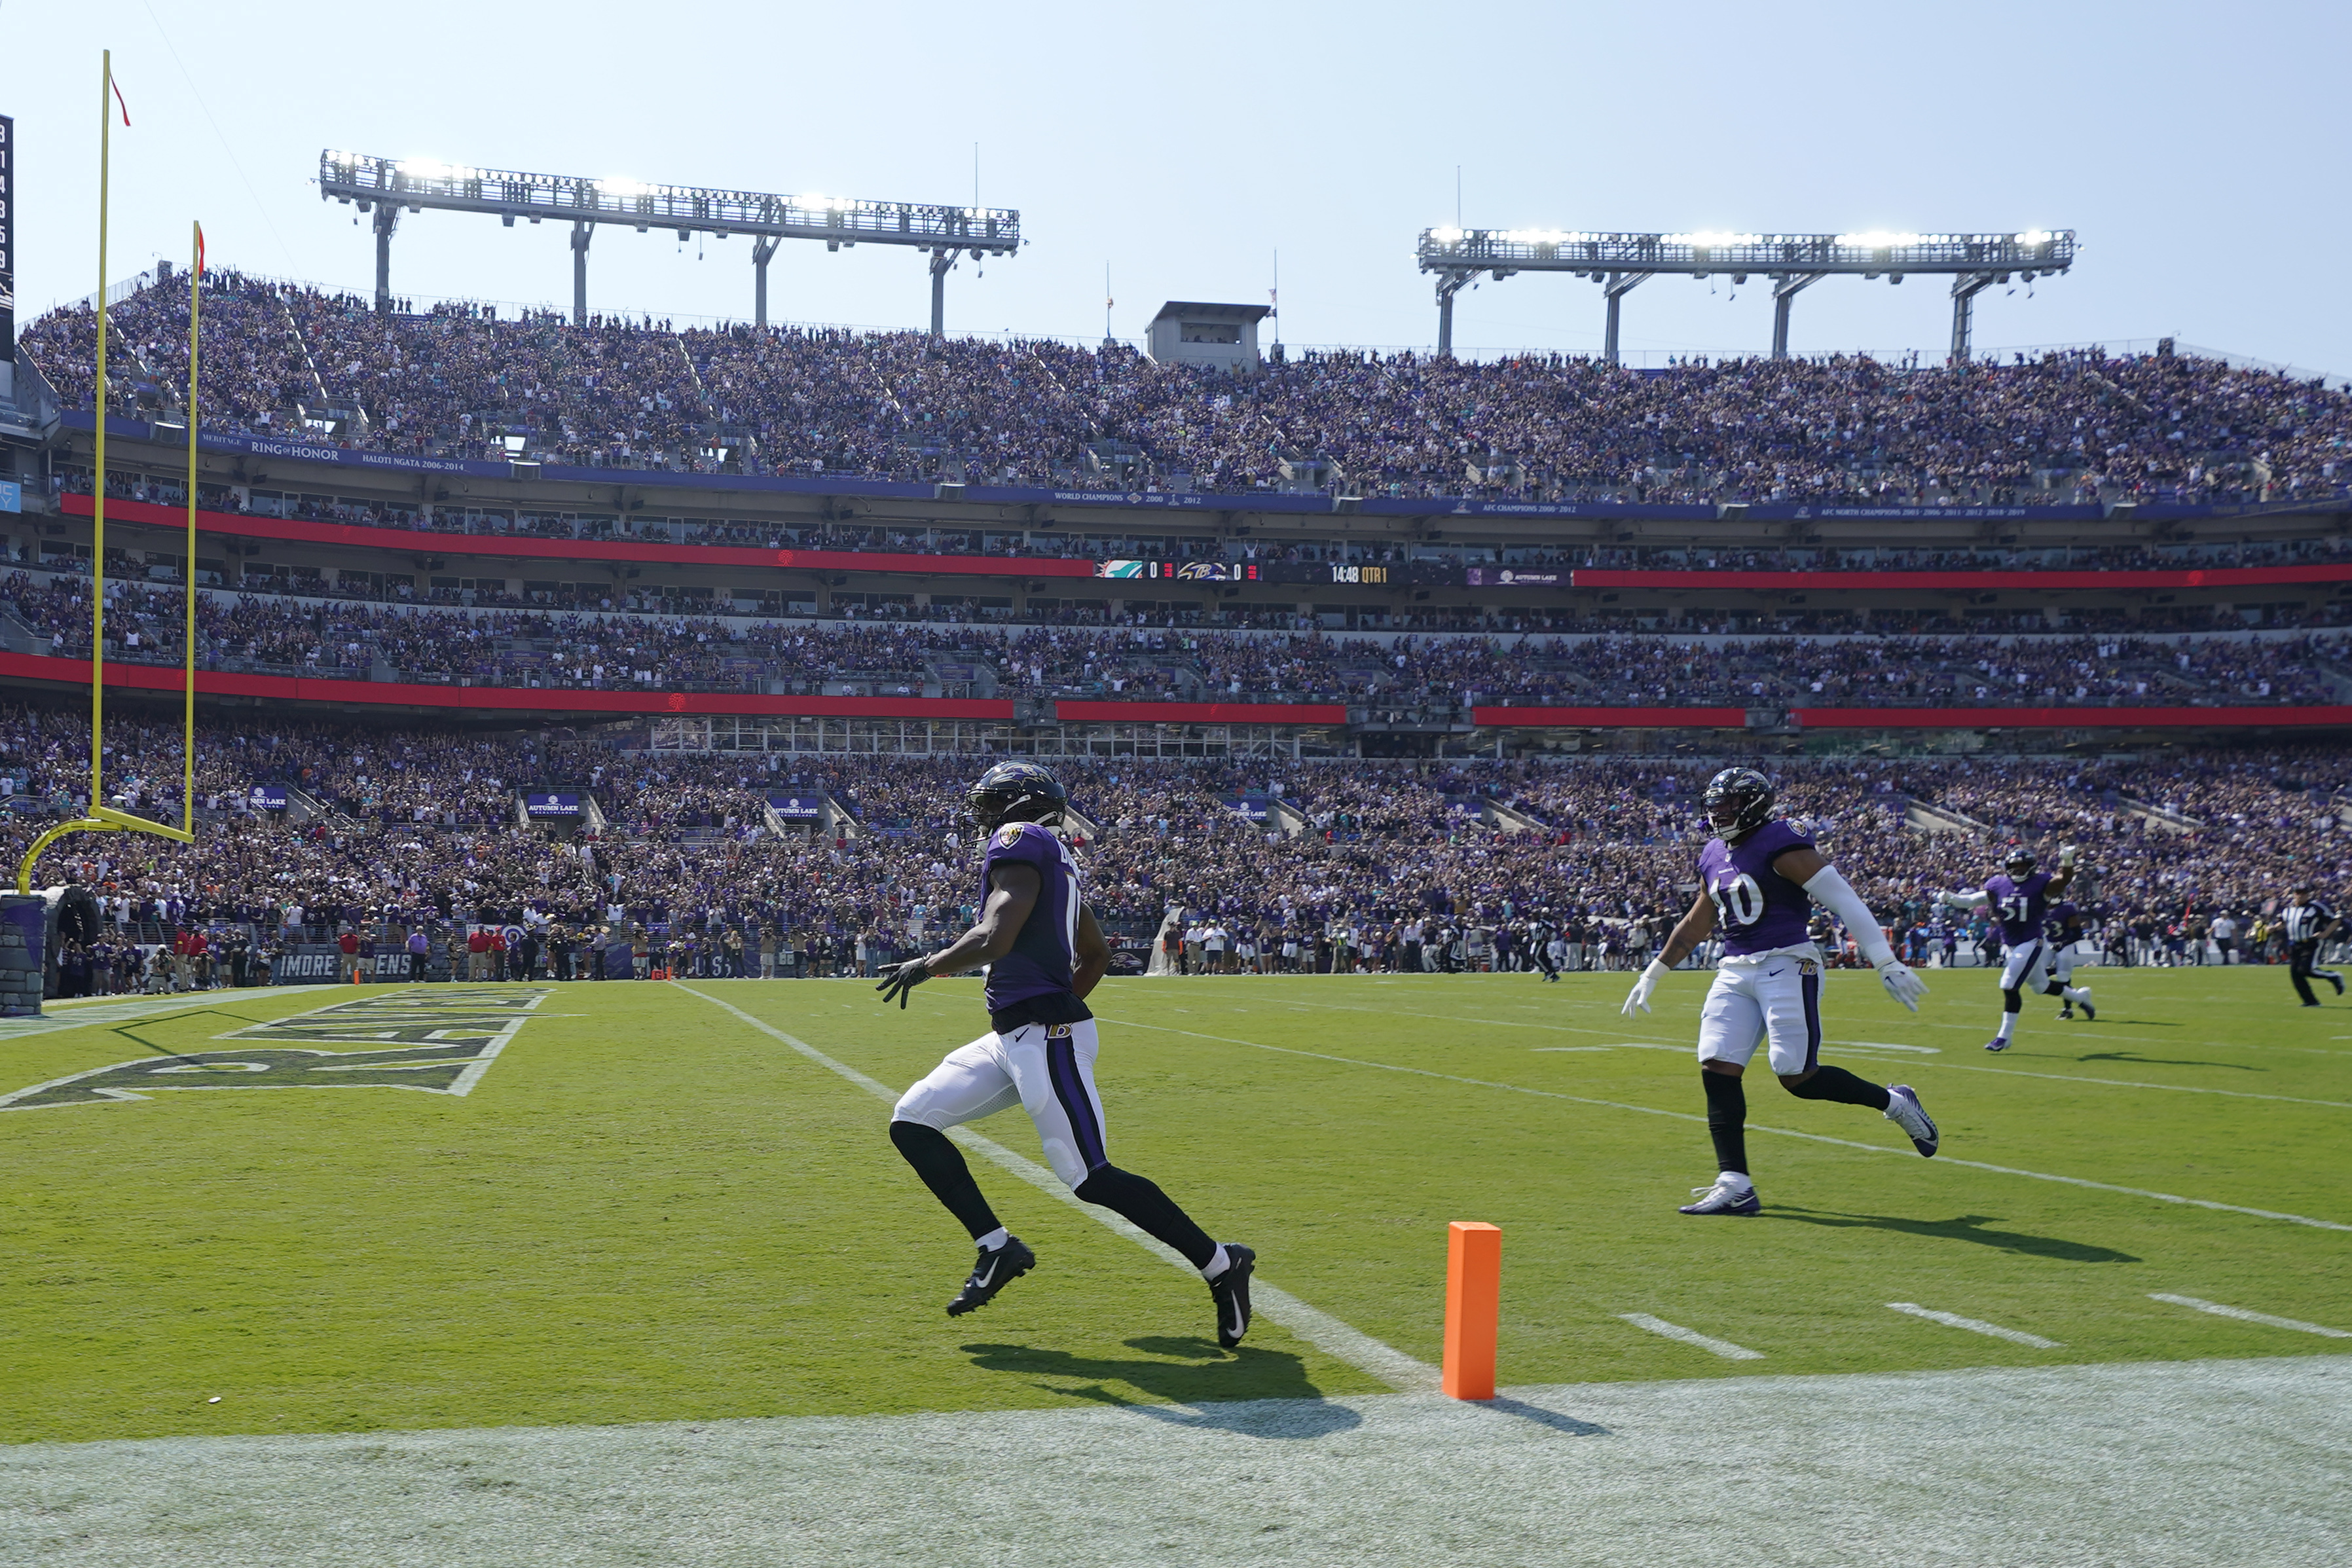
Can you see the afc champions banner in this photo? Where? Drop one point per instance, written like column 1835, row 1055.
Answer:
column 7, row 249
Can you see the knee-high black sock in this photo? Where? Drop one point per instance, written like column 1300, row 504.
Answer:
column 941, row 1165
column 1836, row 1083
column 1140, row 1200
column 1727, row 1120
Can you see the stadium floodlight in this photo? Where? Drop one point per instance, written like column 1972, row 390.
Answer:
column 1619, row 262
column 384, row 186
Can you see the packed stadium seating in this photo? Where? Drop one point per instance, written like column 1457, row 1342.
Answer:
column 388, row 830
column 281, row 633
column 619, row 395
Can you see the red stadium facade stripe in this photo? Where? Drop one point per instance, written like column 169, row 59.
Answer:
column 1918, row 718
column 478, row 699
column 475, row 699
column 1865, row 582
column 1201, row 712
column 1612, row 717
column 2068, row 717
column 521, row 546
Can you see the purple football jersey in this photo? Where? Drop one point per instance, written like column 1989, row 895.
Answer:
column 2065, row 923
column 1756, row 908
column 2018, row 906
column 1043, row 955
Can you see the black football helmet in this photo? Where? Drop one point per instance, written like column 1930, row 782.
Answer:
column 1737, row 800
column 2020, row 862
column 1017, row 792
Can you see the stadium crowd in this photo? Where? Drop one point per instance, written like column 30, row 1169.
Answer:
column 463, row 382
column 390, row 833
column 283, row 633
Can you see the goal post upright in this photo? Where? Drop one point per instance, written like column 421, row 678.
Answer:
column 188, row 571
column 98, row 476
column 101, row 818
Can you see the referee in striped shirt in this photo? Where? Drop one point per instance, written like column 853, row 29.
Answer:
column 2308, row 924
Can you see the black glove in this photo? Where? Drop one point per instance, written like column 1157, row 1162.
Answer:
column 902, row 978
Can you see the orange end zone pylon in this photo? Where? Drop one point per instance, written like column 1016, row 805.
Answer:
column 1474, row 1301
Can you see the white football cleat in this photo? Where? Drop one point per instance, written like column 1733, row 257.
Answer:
column 1903, row 1109
column 1722, row 1199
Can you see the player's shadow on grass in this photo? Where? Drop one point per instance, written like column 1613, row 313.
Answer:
column 2135, row 1059
column 1253, row 1392
column 1966, row 1228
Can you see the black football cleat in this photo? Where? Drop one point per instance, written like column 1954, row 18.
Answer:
column 1230, row 1292
column 991, row 1274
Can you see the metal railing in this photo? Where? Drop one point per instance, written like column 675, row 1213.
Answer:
column 1864, row 254
column 508, row 193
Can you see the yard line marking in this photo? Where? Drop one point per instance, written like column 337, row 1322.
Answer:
column 1752, row 1126
column 1338, row 1340
column 1976, row 1325
column 2242, row 1315
column 1627, row 1045
column 1722, row 1347
column 1920, row 1050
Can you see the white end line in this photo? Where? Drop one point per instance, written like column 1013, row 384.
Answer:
column 1319, row 1328
column 2242, row 1315
column 1722, row 1347
column 1977, row 1325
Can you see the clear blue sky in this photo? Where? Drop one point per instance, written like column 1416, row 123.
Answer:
column 1187, row 145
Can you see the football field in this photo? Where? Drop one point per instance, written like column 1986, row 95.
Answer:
column 393, row 1211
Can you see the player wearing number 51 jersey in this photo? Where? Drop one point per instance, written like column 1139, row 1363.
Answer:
column 2020, row 899
column 1760, row 879
column 1044, row 954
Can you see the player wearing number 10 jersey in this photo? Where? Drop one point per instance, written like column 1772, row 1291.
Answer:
column 1759, row 878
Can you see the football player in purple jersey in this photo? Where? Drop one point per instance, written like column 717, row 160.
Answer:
column 1044, row 954
column 1759, row 878
column 2019, row 900
column 2065, row 930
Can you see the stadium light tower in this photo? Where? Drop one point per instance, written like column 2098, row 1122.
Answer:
column 388, row 186
column 1620, row 262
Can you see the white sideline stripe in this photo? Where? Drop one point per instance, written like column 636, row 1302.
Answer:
column 1319, row 1328
column 1976, row 1325
column 2135, row 1083
column 1722, row 1347
column 1757, row 1127
column 2242, row 1315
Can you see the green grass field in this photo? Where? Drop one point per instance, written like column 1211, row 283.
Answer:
column 646, row 1209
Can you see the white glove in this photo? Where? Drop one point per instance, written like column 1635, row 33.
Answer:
column 1901, row 984
column 2065, row 856
column 1639, row 997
